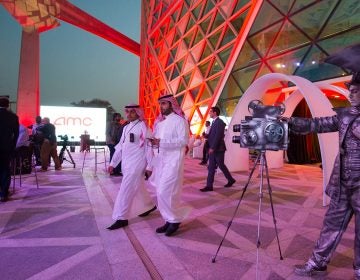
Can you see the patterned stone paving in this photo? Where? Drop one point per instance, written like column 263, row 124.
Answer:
column 59, row 230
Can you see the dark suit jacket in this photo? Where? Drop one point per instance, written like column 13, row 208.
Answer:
column 9, row 131
column 216, row 136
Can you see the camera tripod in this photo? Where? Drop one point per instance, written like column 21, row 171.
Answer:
column 62, row 156
column 260, row 160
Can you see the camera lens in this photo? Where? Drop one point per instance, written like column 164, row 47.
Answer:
column 236, row 139
column 236, row 128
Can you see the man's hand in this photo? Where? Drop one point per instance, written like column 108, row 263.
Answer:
column 211, row 151
column 110, row 169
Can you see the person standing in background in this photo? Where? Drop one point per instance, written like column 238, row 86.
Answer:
column 217, row 150
column 205, row 135
column 49, row 145
column 113, row 137
column 9, row 128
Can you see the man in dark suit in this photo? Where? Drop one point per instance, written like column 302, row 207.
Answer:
column 217, row 150
column 9, row 132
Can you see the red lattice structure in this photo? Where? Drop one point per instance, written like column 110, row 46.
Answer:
column 188, row 50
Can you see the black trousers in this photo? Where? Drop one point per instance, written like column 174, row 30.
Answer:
column 205, row 157
column 111, row 147
column 216, row 159
column 5, row 174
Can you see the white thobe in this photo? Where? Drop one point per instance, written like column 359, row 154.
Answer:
column 168, row 167
column 132, row 199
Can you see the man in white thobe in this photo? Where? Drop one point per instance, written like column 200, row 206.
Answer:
column 132, row 199
column 171, row 135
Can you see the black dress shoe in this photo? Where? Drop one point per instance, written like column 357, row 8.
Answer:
column 309, row 269
column 163, row 228
column 118, row 224
column 172, row 228
column 230, row 183
column 148, row 212
column 206, row 189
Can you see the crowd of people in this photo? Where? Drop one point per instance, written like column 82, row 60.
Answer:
column 139, row 154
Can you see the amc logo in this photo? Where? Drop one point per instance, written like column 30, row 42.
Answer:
column 75, row 121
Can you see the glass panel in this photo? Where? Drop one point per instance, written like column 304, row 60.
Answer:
column 246, row 56
column 209, row 6
column 267, row 16
column 214, row 38
column 205, row 24
column 227, row 107
column 314, row 69
column 219, row 20
column 197, row 10
column 283, row 6
column 226, row 7
column 198, row 37
column 197, row 50
column 207, row 51
column 174, row 85
column 182, row 86
column 312, row 19
column 299, row 4
column 180, row 64
column 228, row 37
column 187, row 78
column 216, row 68
column 238, row 22
column 180, row 99
column 190, row 24
column 205, row 95
column 168, row 73
column 204, row 68
column 175, row 73
column 224, row 55
column 188, row 38
column 246, row 76
column 288, row 63
column 194, row 92
column 289, row 37
column 231, row 89
column 188, row 101
column 213, row 83
column 189, row 65
column 263, row 40
column 240, row 4
column 345, row 17
column 336, row 43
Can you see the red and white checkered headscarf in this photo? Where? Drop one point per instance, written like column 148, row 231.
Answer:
column 139, row 111
column 174, row 104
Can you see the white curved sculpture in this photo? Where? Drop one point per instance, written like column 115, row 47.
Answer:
column 237, row 159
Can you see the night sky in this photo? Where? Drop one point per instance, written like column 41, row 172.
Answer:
column 75, row 64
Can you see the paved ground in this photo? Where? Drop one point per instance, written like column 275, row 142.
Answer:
column 59, row 230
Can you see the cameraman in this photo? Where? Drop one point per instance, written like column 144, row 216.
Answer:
column 49, row 146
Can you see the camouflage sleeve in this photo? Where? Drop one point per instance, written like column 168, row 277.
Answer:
column 315, row 125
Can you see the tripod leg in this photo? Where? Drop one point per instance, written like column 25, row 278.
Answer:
column 272, row 206
column 71, row 158
column 237, row 207
column 262, row 163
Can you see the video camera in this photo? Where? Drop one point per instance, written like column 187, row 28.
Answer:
column 64, row 138
column 264, row 129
